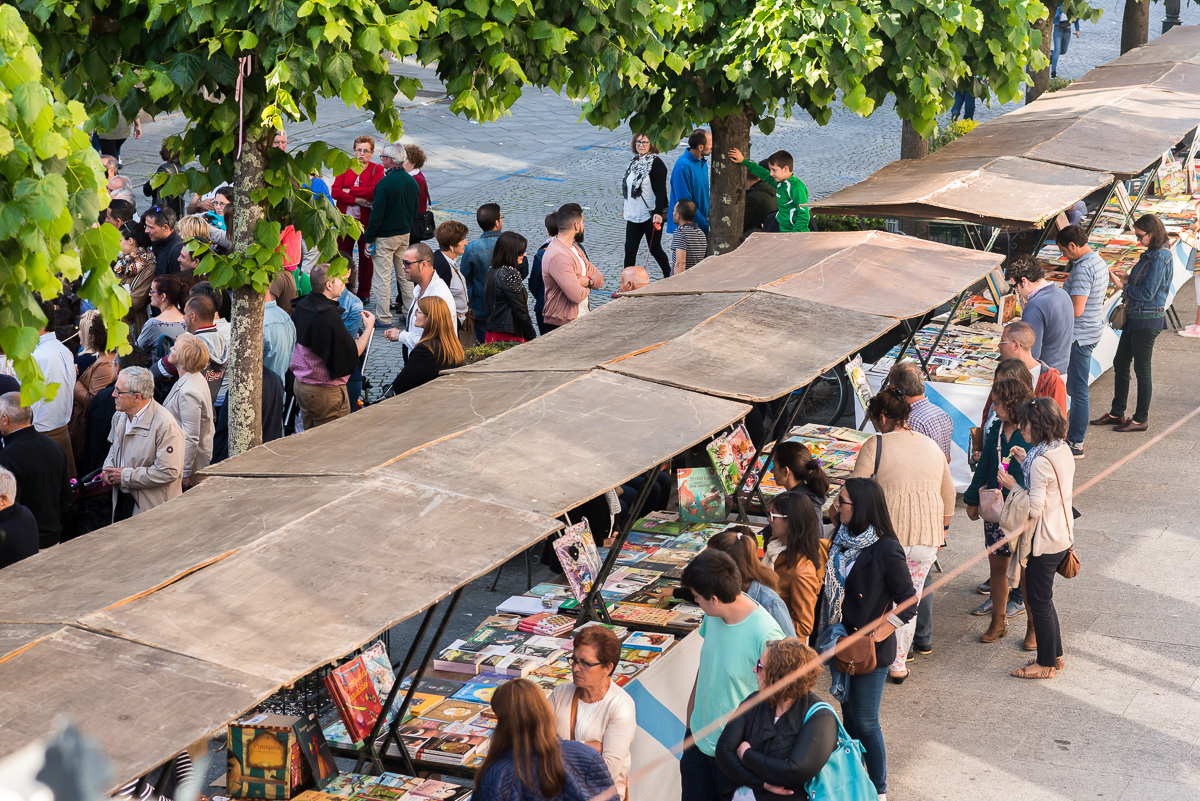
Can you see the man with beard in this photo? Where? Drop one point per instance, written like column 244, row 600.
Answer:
column 568, row 275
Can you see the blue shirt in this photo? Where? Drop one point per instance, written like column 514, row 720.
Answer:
column 1089, row 278
column 1052, row 315
column 689, row 181
column 928, row 418
column 474, row 265
column 279, row 339
column 352, row 307
column 768, row 599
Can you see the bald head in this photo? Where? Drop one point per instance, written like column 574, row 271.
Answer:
column 1021, row 332
column 634, row 277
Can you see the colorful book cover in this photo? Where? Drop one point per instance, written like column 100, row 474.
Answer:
column 315, row 750
column 435, row 686
column 578, row 556
column 636, row 656
column 657, row 526
column 422, row 703
column 354, row 695
column 642, row 538
column 336, row 734
column 348, row 784
column 648, row 641
column 455, row 711
column 493, row 638
column 475, row 693
column 731, row 455
column 701, row 496
column 379, row 665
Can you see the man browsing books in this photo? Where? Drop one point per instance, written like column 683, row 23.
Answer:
column 790, row 192
column 734, row 629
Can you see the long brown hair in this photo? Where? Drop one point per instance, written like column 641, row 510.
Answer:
column 742, row 546
column 803, row 537
column 440, row 330
column 526, row 726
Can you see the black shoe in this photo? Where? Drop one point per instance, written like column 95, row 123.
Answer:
column 897, row 679
column 923, row 650
column 985, row 588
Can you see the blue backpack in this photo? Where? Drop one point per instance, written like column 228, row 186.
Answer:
column 844, row 777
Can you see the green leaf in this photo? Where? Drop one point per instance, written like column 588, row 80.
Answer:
column 185, row 70
column 42, row 200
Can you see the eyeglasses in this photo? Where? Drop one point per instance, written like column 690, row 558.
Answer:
column 574, row 660
column 124, row 392
column 840, row 501
column 156, row 292
column 1141, row 236
column 1009, row 342
column 759, row 667
column 408, row 263
column 776, row 516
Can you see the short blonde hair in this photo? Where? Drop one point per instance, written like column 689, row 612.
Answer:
column 190, row 354
column 193, row 226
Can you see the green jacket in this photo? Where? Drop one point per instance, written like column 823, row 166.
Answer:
column 394, row 206
column 989, row 464
column 790, row 194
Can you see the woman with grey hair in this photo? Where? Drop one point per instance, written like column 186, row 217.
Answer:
column 190, row 403
column 18, row 529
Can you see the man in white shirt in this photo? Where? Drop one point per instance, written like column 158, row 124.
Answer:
column 58, row 367
column 418, row 266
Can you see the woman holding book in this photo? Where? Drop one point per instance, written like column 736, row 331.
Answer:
column 526, row 761
column 799, row 557
column 592, row 709
column 758, row 581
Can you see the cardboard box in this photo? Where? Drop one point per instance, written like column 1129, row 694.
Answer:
column 265, row 760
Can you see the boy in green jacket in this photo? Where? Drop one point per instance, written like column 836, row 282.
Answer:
column 790, row 191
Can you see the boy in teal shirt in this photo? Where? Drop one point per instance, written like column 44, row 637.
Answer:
column 790, row 191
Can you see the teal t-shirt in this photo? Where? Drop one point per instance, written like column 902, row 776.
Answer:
column 726, row 675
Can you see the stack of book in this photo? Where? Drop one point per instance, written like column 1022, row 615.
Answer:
column 547, row 624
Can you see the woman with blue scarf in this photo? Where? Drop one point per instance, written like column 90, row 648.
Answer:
column 866, row 575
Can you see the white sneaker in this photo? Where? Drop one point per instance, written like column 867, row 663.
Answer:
column 1191, row 331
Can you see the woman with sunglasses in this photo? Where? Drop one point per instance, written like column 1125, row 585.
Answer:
column 135, row 270
column 594, row 710
column 1146, row 288
column 915, row 478
column 166, row 296
column 776, row 748
column 644, row 188
column 866, row 576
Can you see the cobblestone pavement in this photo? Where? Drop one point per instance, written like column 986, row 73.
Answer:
column 543, row 155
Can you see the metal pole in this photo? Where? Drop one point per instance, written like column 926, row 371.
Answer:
column 1142, row 192
column 587, row 609
column 369, row 742
column 1112, row 190
column 942, row 333
column 1172, row 19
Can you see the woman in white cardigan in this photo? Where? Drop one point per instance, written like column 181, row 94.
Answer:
column 592, row 708
column 1049, row 469
column 190, row 403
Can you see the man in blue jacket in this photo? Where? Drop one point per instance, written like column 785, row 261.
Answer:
column 477, row 260
column 689, row 178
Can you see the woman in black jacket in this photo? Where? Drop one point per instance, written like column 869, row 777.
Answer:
column 504, row 293
column 439, row 348
column 866, row 575
column 644, row 188
column 772, row 749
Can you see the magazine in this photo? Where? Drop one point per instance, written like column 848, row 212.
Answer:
column 701, row 496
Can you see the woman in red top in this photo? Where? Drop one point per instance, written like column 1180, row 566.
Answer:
column 414, row 160
column 353, row 191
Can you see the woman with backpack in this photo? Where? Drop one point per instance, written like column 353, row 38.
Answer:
column 779, row 748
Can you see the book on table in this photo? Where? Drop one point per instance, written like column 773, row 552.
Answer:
column 701, row 495
column 648, row 641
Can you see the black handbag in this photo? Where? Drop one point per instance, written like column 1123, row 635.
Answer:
column 423, row 226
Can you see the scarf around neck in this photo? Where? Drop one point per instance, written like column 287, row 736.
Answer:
column 638, row 169
column 842, row 552
column 1030, row 455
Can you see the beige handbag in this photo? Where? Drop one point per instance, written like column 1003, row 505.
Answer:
column 991, row 501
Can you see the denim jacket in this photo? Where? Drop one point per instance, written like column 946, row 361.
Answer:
column 1149, row 283
column 769, row 600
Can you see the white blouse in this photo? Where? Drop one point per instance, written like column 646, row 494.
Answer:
column 612, row 721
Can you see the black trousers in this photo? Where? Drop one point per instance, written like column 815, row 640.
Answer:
column 1136, row 347
column 634, row 232
column 1039, row 605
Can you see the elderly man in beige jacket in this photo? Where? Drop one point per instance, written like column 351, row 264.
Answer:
column 145, row 458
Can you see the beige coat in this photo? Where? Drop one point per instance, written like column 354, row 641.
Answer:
column 150, row 455
column 916, row 484
column 190, row 403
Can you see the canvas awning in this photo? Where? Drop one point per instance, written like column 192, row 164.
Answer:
column 1006, row 191
column 1180, row 45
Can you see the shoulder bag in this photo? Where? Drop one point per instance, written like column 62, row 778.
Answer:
column 878, row 452
column 844, row 777
column 1119, row 317
column 991, row 501
column 424, row 225
column 858, row 657
column 1068, row 568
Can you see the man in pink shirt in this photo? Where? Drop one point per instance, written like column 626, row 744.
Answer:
column 568, row 275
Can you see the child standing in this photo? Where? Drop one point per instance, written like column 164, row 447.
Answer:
column 790, row 191
column 689, row 244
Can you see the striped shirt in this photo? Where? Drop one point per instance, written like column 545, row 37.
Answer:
column 688, row 237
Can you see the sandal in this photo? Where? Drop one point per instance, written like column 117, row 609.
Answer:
column 1003, row 633
column 1058, row 663
column 1040, row 673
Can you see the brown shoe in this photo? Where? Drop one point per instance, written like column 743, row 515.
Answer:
column 1129, row 425
column 1107, row 419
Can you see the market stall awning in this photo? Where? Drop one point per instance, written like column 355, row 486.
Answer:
column 613, row 331
column 384, row 431
column 151, row 550
column 142, row 704
column 16, row 637
column 1180, row 45
column 570, row 445
column 762, row 348
column 866, row 271
column 1168, row 77
column 315, row 589
column 1004, row 190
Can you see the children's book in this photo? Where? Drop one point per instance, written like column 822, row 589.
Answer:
column 423, row 702
column 648, row 641
column 701, row 495
column 315, row 750
column 578, row 556
column 353, row 693
column 731, row 454
column 455, row 711
column 475, row 693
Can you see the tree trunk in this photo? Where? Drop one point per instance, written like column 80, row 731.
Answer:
column 1135, row 25
column 1040, row 82
column 244, row 377
column 913, row 146
column 727, row 189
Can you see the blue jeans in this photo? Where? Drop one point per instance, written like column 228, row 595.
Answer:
column 1078, row 371
column 860, row 714
column 963, row 98
column 1059, row 43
